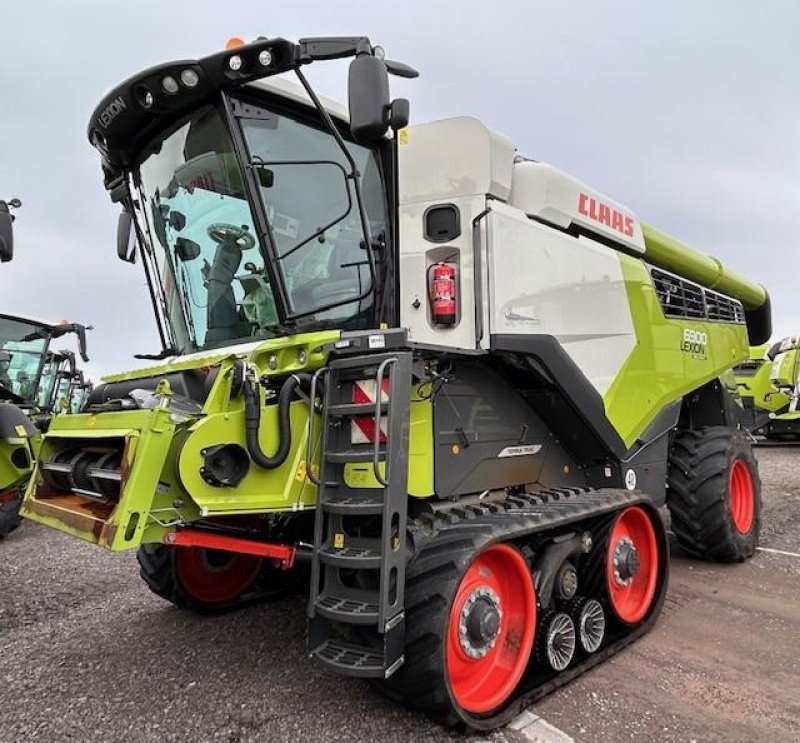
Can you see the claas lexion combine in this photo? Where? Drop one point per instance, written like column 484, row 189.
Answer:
column 441, row 386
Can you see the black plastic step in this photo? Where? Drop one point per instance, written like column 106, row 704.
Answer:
column 348, row 610
column 350, row 659
column 354, row 455
column 351, row 556
column 355, row 503
column 356, row 408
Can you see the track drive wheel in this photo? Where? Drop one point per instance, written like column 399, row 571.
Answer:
column 714, row 494
column 200, row 579
column 10, row 502
column 470, row 628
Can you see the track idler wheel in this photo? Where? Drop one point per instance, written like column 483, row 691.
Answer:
column 491, row 629
column 632, row 565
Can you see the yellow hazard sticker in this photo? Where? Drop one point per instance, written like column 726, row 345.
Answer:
column 402, row 136
column 338, row 540
column 20, row 431
column 302, row 472
column 92, row 422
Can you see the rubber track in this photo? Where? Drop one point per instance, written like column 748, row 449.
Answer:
column 697, row 497
column 443, row 546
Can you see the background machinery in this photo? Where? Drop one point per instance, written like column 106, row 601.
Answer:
column 35, row 383
column 769, row 387
column 441, row 386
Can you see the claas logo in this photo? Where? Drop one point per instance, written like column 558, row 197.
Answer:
column 602, row 213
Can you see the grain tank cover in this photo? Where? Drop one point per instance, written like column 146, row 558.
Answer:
column 543, row 192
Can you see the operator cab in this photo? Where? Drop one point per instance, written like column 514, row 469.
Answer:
column 256, row 210
column 28, row 369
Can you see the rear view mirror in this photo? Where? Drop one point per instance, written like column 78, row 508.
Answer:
column 368, row 98
column 6, row 231
column 126, row 239
column 186, row 250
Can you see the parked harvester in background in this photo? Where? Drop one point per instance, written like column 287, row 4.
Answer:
column 36, row 382
column 769, row 387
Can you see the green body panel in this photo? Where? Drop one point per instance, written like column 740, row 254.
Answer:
column 771, row 385
column 661, row 369
column 668, row 253
column 784, row 370
column 283, row 489
column 758, row 386
column 10, row 474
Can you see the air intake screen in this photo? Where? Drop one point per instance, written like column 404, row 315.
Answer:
column 682, row 298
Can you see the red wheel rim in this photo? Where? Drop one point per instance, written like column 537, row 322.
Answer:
column 741, row 496
column 481, row 684
column 632, row 595
column 215, row 576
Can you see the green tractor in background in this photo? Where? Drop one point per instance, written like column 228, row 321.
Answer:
column 769, row 387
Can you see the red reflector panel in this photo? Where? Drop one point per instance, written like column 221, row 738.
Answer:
column 362, row 427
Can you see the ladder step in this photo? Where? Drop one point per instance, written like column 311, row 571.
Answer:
column 356, row 408
column 351, row 659
column 354, row 455
column 370, row 503
column 347, row 610
column 355, row 556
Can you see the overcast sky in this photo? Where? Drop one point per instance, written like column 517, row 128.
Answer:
column 687, row 112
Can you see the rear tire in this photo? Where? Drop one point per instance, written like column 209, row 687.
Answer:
column 714, row 494
column 211, row 581
column 9, row 511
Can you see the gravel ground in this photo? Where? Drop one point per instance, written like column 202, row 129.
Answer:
column 87, row 653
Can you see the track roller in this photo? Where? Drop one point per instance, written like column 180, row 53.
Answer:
column 557, row 640
column 590, row 622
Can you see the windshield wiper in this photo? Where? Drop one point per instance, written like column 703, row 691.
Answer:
column 165, row 353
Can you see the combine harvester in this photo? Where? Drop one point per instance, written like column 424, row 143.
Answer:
column 769, row 388
column 35, row 384
column 452, row 384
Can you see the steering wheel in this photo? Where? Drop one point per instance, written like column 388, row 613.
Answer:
column 221, row 231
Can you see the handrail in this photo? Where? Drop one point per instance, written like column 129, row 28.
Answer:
column 378, row 414
column 312, row 396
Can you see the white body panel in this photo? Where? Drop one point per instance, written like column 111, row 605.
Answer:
column 455, row 161
column 543, row 192
column 541, row 281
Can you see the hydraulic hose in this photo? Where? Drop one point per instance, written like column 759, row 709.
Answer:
column 252, row 421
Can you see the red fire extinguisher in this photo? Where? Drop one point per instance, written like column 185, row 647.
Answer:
column 443, row 293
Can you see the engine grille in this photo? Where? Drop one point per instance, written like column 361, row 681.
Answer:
column 682, row 298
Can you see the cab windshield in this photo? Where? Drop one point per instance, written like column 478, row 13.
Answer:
column 21, row 351
column 207, row 257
